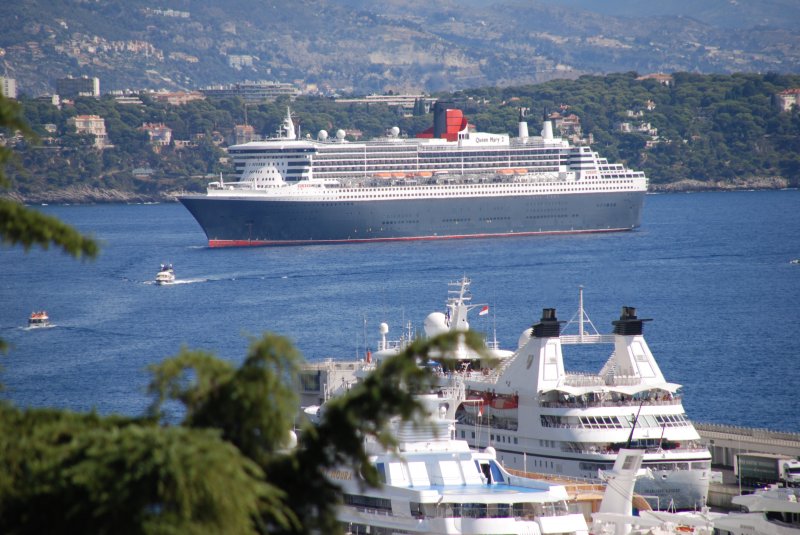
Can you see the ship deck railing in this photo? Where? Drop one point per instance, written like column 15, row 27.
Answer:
column 676, row 400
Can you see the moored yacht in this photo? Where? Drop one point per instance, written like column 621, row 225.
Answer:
column 435, row 484
column 541, row 418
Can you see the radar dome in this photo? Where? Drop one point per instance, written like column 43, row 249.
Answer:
column 384, row 328
column 523, row 338
column 340, row 134
column 435, row 324
column 322, row 135
column 395, row 131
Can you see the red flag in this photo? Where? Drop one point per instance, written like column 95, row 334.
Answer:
column 484, row 311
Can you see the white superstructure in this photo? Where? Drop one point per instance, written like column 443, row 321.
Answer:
column 397, row 167
column 539, row 417
column 435, row 484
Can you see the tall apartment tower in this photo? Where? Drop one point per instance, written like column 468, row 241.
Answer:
column 78, row 87
column 8, row 87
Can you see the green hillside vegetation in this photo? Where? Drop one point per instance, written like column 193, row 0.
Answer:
column 715, row 129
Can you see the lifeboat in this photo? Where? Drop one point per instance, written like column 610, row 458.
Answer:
column 505, row 402
column 506, row 172
column 425, row 174
column 521, row 171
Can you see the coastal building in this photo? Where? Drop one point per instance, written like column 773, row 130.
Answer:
column 160, row 134
column 130, row 100
column 406, row 104
column 262, row 91
column 8, row 87
column 661, row 78
column 177, row 98
column 54, row 100
column 84, row 86
column 244, row 133
column 788, row 98
column 93, row 125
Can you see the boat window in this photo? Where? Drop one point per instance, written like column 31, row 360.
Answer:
column 497, row 475
column 381, row 468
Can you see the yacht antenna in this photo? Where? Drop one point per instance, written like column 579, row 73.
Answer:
column 633, row 426
column 580, row 312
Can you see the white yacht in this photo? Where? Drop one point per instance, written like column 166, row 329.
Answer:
column 38, row 319
column 540, row 418
column 166, row 275
column 435, row 484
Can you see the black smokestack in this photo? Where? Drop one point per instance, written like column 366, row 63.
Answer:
column 628, row 323
column 548, row 326
column 440, row 117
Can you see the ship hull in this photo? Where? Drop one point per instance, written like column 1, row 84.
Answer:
column 255, row 221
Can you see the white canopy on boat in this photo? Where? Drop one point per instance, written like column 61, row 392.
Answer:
column 629, row 390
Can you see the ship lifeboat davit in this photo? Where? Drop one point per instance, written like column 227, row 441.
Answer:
column 489, row 403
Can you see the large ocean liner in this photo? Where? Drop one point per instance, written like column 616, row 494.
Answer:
column 448, row 182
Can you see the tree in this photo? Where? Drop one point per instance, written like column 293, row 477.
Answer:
column 227, row 467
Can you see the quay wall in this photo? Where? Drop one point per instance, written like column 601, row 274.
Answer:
column 725, row 441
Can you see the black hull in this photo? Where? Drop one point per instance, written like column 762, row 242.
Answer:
column 261, row 221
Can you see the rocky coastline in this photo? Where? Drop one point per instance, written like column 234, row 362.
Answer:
column 688, row 185
column 92, row 195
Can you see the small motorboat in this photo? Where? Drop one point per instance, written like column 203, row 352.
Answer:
column 794, row 261
column 39, row 319
column 166, row 275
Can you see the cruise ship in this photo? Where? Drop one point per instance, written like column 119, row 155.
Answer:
column 541, row 418
column 448, row 182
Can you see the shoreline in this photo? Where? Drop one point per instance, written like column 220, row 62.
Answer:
column 91, row 195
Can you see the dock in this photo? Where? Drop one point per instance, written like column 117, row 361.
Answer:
column 725, row 441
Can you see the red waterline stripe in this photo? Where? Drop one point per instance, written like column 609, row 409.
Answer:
column 261, row 243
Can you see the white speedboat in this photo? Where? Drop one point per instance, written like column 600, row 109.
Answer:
column 435, row 484
column 166, row 275
column 541, row 418
column 38, row 319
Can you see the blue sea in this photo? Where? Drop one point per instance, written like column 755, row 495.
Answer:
column 712, row 270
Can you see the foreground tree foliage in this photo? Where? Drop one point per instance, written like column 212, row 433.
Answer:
column 229, row 466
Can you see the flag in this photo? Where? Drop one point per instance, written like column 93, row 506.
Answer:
column 484, row 311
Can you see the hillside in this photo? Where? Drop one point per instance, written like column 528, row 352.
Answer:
column 402, row 45
column 699, row 132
